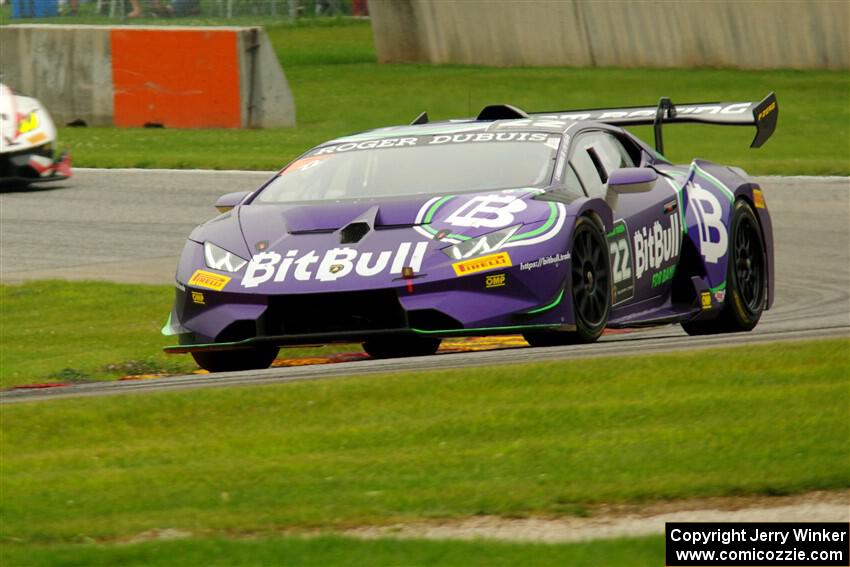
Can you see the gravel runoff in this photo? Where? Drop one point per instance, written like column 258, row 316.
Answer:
column 625, row 522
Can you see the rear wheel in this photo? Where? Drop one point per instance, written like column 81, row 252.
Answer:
column 591, row 289
column 746, row 278
column 254, row 358
column 397, row 347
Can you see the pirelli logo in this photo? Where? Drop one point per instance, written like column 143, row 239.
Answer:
column 758, row 198
column 482, row 264
column 208, row 280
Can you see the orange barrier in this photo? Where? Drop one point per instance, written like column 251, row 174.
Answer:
column 155, row 86
column 173, row 76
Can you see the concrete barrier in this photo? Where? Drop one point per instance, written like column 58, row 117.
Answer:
column 746, row 34
column 180, row 77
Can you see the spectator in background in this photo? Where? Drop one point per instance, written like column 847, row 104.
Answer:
column 359, row 8
column 186, row 7
column 137, row 9
column 176, row 7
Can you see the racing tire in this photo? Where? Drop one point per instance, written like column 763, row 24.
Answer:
column 254, row 358
column 746, row 278
column 590, row 279
column 399, row 347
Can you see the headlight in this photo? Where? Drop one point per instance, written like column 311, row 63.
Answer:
column 220, row 259
column 485, row 244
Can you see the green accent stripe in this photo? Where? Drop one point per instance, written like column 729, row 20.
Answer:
column 617, row 230
column 166, row 329
column 714, row 181
column 679, row 190
column 549, row 306
column 553, row 215
column 717, row 287
column 430, row 214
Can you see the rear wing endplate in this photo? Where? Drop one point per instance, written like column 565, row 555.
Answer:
column 762, row 115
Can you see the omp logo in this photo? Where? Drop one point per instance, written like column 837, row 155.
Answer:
column 713, row 239
column 482, row 264
column 494, row 280
column 208, row 280
column 336, row 263
column 770, row 108
column 491, row 211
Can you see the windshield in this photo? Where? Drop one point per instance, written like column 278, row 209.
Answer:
column 440, row 163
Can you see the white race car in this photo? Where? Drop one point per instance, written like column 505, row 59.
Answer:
column 27, row 139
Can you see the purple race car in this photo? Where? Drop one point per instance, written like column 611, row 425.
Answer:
column 554, row 225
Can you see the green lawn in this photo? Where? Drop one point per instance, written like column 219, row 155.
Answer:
column 541, row 439
column 339, row 89
column 52, row 331
column 330, row 551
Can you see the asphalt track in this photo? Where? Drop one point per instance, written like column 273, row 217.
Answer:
column 129, row 226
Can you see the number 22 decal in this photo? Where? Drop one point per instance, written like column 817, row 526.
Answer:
column 621, row 263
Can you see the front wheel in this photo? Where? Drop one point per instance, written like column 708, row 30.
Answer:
column 397, row 347
column 254, row 358
column 746, row 278
column 591, row 289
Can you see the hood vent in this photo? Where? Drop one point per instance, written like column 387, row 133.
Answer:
column 354, row 232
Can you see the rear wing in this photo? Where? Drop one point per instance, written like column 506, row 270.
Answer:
column 762, row 115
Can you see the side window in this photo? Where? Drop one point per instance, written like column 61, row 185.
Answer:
column 585, row 167
column 595, row 155
column 633, row 152
column 615, row 155
column 573, row 185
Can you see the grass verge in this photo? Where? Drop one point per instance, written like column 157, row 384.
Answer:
column 339, row 89
column 538, row 439
column 330, row 551
column 55, row 331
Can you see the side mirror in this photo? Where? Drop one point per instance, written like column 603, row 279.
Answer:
column 632, row 180
column 227, row 202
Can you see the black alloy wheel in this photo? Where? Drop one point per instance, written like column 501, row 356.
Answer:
column 254, row 358
column 746, row 278
column 590, row 281
column 749, row 265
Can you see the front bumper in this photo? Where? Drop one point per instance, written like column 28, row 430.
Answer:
column 204, row 320
column 34, row 165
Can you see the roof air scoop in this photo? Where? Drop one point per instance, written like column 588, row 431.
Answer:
column 354, row 232
column 501, row 112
